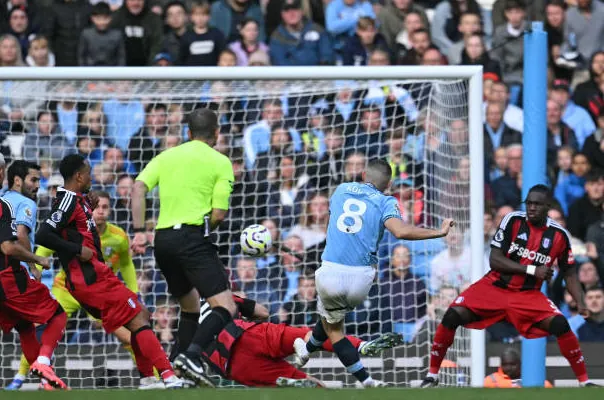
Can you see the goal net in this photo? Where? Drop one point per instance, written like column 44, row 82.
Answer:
column 291, row 143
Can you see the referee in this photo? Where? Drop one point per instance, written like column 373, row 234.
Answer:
column 195, row 183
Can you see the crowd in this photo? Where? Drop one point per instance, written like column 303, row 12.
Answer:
column 290, row 148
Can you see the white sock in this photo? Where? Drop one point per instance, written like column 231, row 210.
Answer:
column 431, row 375
column 20, row 377
column 43, row 360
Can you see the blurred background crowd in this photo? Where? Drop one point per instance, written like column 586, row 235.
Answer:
column 291, row 146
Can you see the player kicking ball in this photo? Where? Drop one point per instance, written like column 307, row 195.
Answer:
column 523, row 251
column 72, row 233
column 253, row 353
column 359, row 213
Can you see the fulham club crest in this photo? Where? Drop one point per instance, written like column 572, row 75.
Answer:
column 546, row 243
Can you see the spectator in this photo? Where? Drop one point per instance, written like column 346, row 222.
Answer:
column 500, row 164
column 446, row 21
column 39, row 54
column 588, row 275
column 596, row 103
column 358, row 47
column 413, row 22
column 248, row 43
column 312, row 228
column 93, row 126
column 410, row 200
column 585, row 21
column 246, row 280
column 328, row 168
column 227, row 58
column 341, row 17
column 558, row 133
column 433, row 57
column 580, row 249
column 146, row 144
column 10, row 52
column 572, row 189
column 370, row 138
column 508, row 374
column 103, row 178
column 297, row 41
column 474, row 52
column 420, row 43
column 287, row 195
column 164, row 321
column 469, row 24
column 19, row 27
column 508, row 50
column 301, row 310
column 142, row 30
column 392, row 17
column 554, row 26
column 46, row 141
column 115, row 159
column 593, row 328
column 583, row 211
column 290, row 267
column 313, row 138
column 227, row 15
column 585, row 91
column 535, row 10
column 100, row 45
column 506, row 189
column 63, row 26
column 403, row 293
column 594, row 144
column 497, row 133
column 201, row 44
column 577, row 118
column 564, row 164
column 595, row 243
column 451, row 266
column 513, row 115
column 267, row 163
column 125, row 115
column 163, row 60
column 176, row 20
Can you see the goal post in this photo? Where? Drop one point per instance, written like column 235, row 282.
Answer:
column 448, row 88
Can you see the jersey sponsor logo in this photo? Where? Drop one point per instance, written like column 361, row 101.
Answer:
column 523, row 236
column 56, row 216
column 531, row 255
column 499, row 236
column 546, row 243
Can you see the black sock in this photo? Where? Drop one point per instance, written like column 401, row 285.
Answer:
column 317, row 338
column 349, row 356
column 208, row 329
column 186, row 330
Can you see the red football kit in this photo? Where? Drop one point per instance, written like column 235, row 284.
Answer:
column 517, row 297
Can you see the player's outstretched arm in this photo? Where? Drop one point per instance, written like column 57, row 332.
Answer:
column 500, row 263
column 400, row 230
column 16, row 250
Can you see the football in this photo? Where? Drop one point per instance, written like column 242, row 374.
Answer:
column 256, row 240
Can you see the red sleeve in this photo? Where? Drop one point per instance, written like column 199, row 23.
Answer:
column 503, row 237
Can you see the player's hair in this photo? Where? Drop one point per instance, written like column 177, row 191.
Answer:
column 203, row 123
column 102, row 194
column 20, row 168
column 70, row 165
column 379, row 173
column 540, row 188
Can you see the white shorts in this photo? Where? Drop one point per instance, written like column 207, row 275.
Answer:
column 340, row 288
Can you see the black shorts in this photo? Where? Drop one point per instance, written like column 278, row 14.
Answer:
column 189, row 260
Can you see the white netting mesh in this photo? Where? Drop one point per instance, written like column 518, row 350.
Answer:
column 291, row 143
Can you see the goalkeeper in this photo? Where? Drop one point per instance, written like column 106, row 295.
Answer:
column 116, row 250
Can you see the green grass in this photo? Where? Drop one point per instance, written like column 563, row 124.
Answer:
column 315, row 394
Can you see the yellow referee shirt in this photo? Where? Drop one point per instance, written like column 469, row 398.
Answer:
column 193, row 178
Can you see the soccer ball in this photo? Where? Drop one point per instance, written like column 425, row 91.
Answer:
column 256, row 240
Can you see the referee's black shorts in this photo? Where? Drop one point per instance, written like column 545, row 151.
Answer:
column 188, row 260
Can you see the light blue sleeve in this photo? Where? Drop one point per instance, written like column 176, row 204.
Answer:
column 296, row 139
column 333, row 23
column 368, row 10
column 390, row 209
column 26, row 214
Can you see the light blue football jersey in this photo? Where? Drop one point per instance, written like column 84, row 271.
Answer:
column 25, row 213
column 358, row 212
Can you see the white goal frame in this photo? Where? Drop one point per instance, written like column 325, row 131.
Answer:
column 472, row 73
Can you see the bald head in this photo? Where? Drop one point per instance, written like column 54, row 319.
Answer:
column 379, row 173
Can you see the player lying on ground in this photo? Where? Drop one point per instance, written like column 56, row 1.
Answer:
column 358, row 214
column 72, row 233
column 25, row 301
column 115, row 246
column 253, row 353
column 523, row 251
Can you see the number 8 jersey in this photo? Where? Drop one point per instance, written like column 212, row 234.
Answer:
column 358, row 212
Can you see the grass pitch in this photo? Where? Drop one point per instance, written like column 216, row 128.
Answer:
column 315, row 394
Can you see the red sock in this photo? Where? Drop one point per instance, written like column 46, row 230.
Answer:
column 443, row 339
column 569, row 347
column 52, row 334
column 356, row 342
column 29, row 343
column 144, row 341
column 143, row 364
